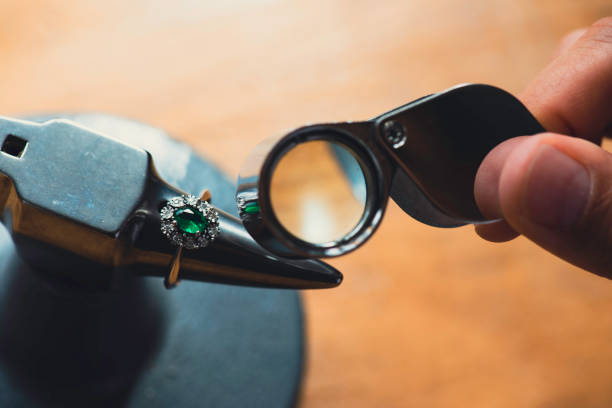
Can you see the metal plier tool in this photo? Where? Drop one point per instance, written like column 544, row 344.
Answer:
column 84, row 208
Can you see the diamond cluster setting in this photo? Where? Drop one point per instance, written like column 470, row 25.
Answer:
column 247, row 208
column 189, row 222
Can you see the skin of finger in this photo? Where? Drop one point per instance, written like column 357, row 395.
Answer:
column 569, row 40
column 486, row 184
column 548, row 110
column 573, row 94
column 586, row 244
column 486, row 192
column 498, row 231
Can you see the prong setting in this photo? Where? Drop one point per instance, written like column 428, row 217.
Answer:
column 189, row 222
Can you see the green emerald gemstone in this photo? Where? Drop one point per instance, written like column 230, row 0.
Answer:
column 251, row 208
column 190, row 220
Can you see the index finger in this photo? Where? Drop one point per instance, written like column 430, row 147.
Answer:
column 573, row 94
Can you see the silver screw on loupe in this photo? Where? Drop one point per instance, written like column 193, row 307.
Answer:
column 394, row 133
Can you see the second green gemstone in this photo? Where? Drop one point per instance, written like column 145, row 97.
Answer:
column 190, row 220
column 252, row 208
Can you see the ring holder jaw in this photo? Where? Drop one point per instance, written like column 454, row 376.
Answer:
column 138, row 344
column 74, row 195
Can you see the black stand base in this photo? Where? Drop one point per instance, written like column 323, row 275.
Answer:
column 200, row 345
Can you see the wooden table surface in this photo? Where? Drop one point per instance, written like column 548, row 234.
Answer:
column 425, row 317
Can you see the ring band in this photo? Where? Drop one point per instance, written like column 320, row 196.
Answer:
column 188, row 222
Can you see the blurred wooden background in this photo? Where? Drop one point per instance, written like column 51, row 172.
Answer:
column 425, row 317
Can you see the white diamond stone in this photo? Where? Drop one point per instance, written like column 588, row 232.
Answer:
column 189, row 243
column 168, row 228
column 202, row 241
column 213, row 232
column 177, row 239
column 177, row 202
column 191, row 200
column 166, row 213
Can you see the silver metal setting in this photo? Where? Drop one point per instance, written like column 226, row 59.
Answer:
column 199, row 239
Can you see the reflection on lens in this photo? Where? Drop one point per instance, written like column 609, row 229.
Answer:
column 318, row 191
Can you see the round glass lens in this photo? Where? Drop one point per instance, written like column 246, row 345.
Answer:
column 318, row 191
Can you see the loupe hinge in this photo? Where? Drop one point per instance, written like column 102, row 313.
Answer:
column 394, row 134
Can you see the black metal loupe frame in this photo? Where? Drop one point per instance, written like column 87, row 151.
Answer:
column 424, row 155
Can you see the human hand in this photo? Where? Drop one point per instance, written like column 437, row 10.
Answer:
column 556, row 188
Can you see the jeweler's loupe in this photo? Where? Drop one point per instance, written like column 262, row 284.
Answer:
column 321, row 190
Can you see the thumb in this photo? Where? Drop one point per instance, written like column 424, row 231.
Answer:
column 557, row 191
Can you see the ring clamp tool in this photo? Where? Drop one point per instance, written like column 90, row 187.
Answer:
column 72, row 196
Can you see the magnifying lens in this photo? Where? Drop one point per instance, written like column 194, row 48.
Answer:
column 321, row 190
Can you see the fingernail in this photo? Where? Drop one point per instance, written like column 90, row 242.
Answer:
column 558, row 188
